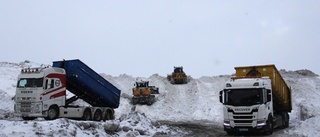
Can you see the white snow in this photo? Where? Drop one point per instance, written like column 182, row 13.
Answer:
column 196, row 101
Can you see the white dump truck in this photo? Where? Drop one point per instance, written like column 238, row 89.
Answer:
column 257, row 99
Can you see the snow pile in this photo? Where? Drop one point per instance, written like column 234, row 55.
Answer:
column 188, row 103
column 136, row 124
column 305, row 116
column 59, row 127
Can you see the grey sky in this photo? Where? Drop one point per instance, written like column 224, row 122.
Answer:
column 144, row 37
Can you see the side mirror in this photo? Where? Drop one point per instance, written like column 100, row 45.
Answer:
column 220, row 96
column 269, row 96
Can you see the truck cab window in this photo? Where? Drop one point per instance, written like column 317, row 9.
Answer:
column 52, row 83
column 30, row 82
column 22, row 82
column 49, row 84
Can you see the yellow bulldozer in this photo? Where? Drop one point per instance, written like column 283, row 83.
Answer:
column 178, row 76
column 143, row 93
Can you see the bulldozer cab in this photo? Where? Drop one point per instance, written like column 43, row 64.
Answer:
column 178, row 70
column 142, row 84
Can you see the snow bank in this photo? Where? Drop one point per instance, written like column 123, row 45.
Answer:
column 196, row 101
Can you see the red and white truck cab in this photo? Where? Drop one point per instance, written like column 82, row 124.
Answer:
column 37, row 90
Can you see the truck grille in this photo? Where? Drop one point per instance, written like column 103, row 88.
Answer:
column 26, row 98
column 242, row 117
column 242, row 121
column 25, row 107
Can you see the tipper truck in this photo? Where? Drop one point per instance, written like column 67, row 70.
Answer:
column 41, row 92
column 257, row 99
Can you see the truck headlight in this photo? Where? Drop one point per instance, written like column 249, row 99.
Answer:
column 226, row 123
column 37, row 108
column 261, row 123
column 255, row 109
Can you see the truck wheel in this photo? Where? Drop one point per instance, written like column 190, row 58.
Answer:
column 53, row 113
column 28, row 118
column 286, row 120
column 269, row 126
column 97, row 115
column 283, row 121
column 86, row 114
column 108, row 115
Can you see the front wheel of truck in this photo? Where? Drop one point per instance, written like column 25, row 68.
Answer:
column 269, row 126
column 53, row 113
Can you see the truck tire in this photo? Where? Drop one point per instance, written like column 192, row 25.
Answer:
column 269, row 126
column 86, row 114
column 97, row 115
column 286, row 120
column 108, row 115
column 53, row 113
column 28, row 118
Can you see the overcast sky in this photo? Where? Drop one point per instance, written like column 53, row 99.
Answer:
column 144, row 37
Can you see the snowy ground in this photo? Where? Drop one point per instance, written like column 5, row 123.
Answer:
column 192, row 107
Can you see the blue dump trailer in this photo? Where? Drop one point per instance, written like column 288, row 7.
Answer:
column 88, row 85
column 42, row 92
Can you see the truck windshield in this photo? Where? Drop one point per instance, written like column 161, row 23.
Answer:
column 30, row 82
column 243, row 97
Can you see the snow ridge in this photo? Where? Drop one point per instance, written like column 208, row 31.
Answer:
column 193, row 102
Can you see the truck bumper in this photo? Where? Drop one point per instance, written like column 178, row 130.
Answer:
column 28, row 115
column 259, row 129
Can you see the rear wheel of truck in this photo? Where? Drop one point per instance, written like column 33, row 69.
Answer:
column 28, row 118
column 285, row 120
column 97, row 115
column 86, row 114
column 108, row 115
column 53, row 113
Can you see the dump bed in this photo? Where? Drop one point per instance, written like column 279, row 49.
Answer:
column 281, row 91
column 88, row 85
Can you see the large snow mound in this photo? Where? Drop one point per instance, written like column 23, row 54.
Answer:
column 196, row 101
